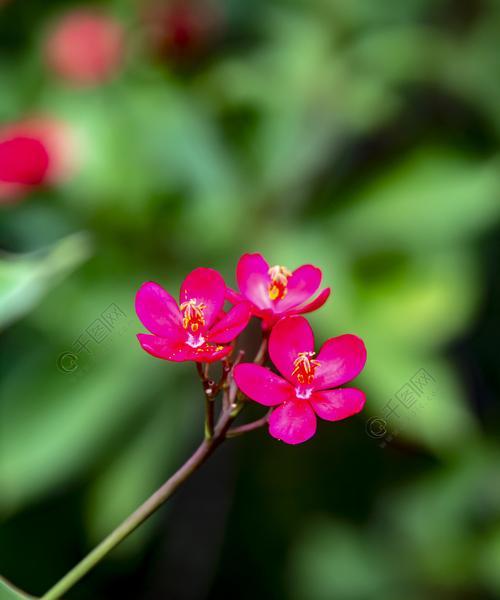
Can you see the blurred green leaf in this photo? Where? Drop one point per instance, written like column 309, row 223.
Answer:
column 25, row 279
column 330, row 560
column 141, row 467
column 445, row 511
column 432, row 198
column 407, row 299
column 401, row 54
column 438, row 418
column 488, row 560
column 56, row 423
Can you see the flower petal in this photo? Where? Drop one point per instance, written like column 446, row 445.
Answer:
column 207, row 353
column 302, row 285
column 334, row 405
column 207, row 287
column 253, row 279
column 23, row 160
column 179, row 351
column 157, row 310
column 231, row 325
column 293, row 422
column 318, row 302
column 262, row 385
column 289, row 336
column 166, row 348
column 233, row 296
column 341, row 359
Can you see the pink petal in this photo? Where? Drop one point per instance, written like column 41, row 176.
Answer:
column 253, row 279
column 166, row 348
column 178, row 351
column 157, row 310
column 302, row 285
column 207, row 353
column 334, row 405
column 268, row 318
column 341, row 359
column 231, row 325
column 23, row 160
column 262, row 385
column 207, row 287
column 313, row 305
column 293, row 422
column 289, row 336
column 233, row 296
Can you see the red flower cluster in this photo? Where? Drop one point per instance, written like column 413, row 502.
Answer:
column 198, row 329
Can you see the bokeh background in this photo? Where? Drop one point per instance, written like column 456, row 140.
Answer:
column 142, row 138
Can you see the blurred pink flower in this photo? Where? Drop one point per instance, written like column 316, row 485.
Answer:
column 274, row 292
column 85, row 47
column 196, row 328
column 34, row 152
column 304, row 391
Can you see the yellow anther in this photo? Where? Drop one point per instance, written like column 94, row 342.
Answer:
column 305, row 366
column 279, row 280
column 193, row 314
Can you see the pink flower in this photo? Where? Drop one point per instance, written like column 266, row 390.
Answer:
column 23, row 160
column 85, row 47
column 34, row 152
column 197, row 327
column 274, row 292
column 306, row 389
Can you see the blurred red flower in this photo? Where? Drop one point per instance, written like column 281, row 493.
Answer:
column 34, row 152
column 181, row 29
column 85, row 47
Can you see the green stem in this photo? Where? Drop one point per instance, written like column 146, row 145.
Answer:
column 214, row 436
column 210, row 390
column 209, row 417
column 144, row 511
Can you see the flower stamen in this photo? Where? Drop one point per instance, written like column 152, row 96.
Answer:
column 193, row 314
column 279, row 280
column 305, row 366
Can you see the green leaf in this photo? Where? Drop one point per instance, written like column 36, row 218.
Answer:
column 407, row 299
column 432, row 198
column 331, row 560
column 24, row 280
column 55, row 423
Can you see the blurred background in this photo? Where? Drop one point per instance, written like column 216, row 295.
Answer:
column 142, row 138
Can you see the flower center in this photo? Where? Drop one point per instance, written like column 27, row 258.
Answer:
column 193, row 315
column 279, row 279
column 305, row 366
column 195, row 341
